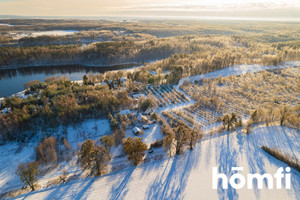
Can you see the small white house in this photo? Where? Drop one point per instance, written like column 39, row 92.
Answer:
column 125, row 112
column 146, row 127
column 136, row 130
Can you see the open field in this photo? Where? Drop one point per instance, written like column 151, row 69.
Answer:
column 189, row 176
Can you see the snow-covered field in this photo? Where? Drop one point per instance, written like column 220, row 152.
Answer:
column 189, row 176
column 237, row 70
column 89, row 129
column 11, row 155
column 14, row 153
column 55, row 32
column 1, row 24
column 19, row 35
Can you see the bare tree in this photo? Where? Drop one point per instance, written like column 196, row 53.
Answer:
column 28, row 173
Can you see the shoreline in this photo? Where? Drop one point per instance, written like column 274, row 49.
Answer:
column 129, row 68
column 69, row 65
column 281, row 65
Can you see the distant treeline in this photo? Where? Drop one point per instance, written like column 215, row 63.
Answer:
column 102, row 53
column 218, row 51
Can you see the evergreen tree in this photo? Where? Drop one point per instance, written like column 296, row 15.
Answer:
column 135, row 148
column 93, row 157
column 168, row 140
column 86, row 150
column 101, row 157
column 108, row 141
column 182, row 136
column 85, row 80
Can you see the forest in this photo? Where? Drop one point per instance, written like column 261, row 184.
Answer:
column 99, row 42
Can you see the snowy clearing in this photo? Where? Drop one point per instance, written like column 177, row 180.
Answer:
column 54, row 32
column 190, row 176
column 236, row 70
column 19, row 152
column 149, row 136
column 89, row 129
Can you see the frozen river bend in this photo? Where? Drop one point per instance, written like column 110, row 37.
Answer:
column 190, row 176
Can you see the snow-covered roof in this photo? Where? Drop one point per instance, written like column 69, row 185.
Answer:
column 123, row 79
column 146, row 127
column 136, row 130
column 148, row 111
column 125, row 112
column 142, row 117
column 137, row 95
column 80, row 82
column 4, row 111
column 153, row 72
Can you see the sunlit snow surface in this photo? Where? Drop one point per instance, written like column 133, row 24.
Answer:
column 237, row 70
column 55, row 32
column 14, row 153
column 22, row 34
column 1, row 24
column 189, row 176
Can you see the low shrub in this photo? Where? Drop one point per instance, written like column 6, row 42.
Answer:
column 157, row 144
column 290, row 161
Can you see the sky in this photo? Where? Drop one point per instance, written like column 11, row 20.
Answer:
column 247, row 8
